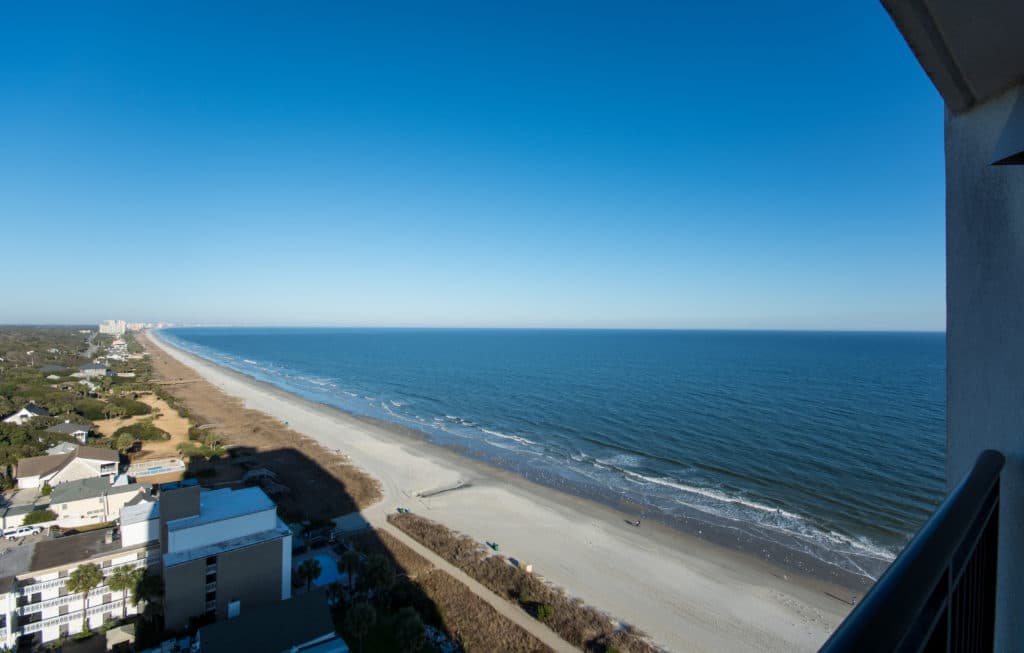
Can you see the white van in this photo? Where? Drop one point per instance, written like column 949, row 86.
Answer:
column 21, row 531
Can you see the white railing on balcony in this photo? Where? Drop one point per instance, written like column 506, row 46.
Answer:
column 59, row 582
column 36, row 626
column 32, row 608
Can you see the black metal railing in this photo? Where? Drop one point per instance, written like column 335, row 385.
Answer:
column 940, row 593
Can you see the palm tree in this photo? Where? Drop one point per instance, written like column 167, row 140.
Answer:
column 349, row 563
column 359, row 619
column 409, row 631
column 380, row 575
column 334, row 594
column 309, row 570
column 122, row 580
column 83, row 580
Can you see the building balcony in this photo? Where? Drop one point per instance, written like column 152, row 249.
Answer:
column 940, row 593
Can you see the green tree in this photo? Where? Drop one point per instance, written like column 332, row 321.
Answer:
column 544, row 612
column 379, row 575
column 349, row 564
column 84, row 579
column 124, row 580
column 334, row 594
column 409, row 631
column 124, row 442
column 47, row 490
column 309, row 570
column 359, row 619
column 112, row 410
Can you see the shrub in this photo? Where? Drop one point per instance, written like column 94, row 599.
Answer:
column 39, row 516
column 91, row 409
column 130, row 407
column 142, row 431
column 47, row 490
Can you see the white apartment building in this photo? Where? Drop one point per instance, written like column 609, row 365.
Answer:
column 35, row 606
column 113, row 327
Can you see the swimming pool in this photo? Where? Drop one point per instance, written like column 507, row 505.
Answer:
column 328, row 571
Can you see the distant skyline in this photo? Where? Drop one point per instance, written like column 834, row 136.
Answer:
column 740, row 166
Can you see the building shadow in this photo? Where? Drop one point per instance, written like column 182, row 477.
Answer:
column 310, row 500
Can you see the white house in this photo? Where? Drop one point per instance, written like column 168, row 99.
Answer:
column 90, row 370
column 83, row 462
column 92, row 500
column 27, row 413
column 78, row 431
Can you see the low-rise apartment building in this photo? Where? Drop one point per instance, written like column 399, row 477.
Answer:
column 35, row 605
column 92, row 501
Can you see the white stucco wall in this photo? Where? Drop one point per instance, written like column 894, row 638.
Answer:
column 985, row 331
column 218, row 531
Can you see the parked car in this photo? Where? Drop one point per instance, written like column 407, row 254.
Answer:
column 21, row 531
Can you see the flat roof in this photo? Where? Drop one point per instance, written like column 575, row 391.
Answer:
column 72, row 549
column 271, row 628
column 218, row 548
column 218, row 505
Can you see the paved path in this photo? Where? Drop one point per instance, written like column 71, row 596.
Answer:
column 376, row 515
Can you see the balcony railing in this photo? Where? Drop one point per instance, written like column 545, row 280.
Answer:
column 940, row 593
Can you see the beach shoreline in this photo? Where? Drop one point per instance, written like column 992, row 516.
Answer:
column 686, row 592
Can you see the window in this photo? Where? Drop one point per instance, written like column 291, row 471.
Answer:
column 211, row 596
column 212, row 560
column 234, row 609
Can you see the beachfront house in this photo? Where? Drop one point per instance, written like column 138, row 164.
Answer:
column 91, row 501
column 79, row 432
column 959, row 584
column 92, row 370
column 29, row 412
column 52, row 470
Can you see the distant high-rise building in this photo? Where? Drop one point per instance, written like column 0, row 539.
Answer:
column 113, row 327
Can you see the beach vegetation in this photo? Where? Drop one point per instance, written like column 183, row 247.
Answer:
column 574, row 621
column 91, row 409
column 143, row 430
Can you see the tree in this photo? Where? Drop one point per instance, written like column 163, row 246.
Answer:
column 122, row 580
column 359, row 619
column 379, row 575
column 124, row 442
column 334, row 594
column 47, row 490
column 112, row 410
column 544, row 612
column 309, row 570
column 349, row 563
column 83, row 580
column 409, row 631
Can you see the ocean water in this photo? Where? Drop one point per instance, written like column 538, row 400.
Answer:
column 829, row 444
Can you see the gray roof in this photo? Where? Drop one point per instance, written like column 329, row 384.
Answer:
column 68, row 428
column 971, row 51
column 37, row 410
column 273, row 628
column 72, row 549
column 90, row 488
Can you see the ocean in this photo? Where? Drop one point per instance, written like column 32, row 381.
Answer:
column 826, row 444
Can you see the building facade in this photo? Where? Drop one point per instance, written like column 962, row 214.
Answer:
column 113, row 327
column 35, row 604
column 222, row 551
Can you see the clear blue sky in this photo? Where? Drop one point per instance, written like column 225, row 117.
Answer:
column 731, row 165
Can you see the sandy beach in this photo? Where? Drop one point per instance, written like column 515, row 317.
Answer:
column 687, row 594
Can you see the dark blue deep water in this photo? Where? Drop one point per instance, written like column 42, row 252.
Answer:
column 832, row 443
